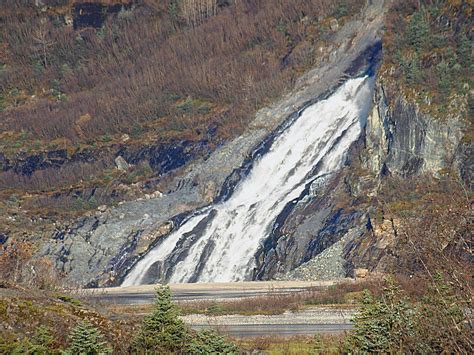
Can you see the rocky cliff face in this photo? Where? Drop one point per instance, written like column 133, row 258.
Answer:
column 335, row 228
column 403, row 141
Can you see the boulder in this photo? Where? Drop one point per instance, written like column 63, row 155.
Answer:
column 102, row 208
column 121, row 163
column 361, row 273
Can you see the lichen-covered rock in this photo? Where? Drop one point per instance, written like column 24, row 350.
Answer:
column 121, row 163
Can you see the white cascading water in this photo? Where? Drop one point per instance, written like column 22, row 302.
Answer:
column 321, row 135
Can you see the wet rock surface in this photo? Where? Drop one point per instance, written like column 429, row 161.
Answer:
column 26, row 164
column 313, row 225
column 94, row 14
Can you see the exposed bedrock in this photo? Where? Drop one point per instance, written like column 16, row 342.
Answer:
column 313, row 225
column 403, row 141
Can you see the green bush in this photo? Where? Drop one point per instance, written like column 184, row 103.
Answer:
column 215, row 309
column 393, row 323
column 209, row 342
column 186, row 106
column 87, row 339
column 68, row 299
column 418, row 30
column 162, row 330
column 41, row 343
column 383, row 324
column 106, row 138
column 341, row 10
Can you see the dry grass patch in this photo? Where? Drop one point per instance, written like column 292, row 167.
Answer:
column 294, row 345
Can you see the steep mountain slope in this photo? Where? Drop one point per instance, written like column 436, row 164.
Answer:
column 76, row 96
column 403, row 204
column 127, row 231
column 412, row 163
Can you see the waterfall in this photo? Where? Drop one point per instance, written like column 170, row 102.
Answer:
column 220, row 241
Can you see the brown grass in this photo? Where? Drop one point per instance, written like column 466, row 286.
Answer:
column 276, row 303
column 324, row 343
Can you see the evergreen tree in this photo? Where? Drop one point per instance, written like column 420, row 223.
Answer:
column 437, row 323
column 413, row 69
column 418, row 30
column 40, row 344
column 465, row 52
column 162, row 331
column 87, row 339
column 444, row 75
column 383, row 325
column 42, row 341
column 209, row 342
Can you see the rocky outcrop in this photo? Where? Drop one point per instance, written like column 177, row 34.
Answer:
column 93, row 14
column 165, row 157
column 399, row 140
column 403, row 141
column 26, row 164
column 307, row 228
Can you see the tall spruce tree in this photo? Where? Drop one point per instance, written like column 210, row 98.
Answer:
column 385, row 324
column 162, row 330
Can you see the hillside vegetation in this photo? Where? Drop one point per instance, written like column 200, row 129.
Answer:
column 149, row 66
column 428, row 50
column 390, row 320
column 82, row 81
column 137, row 74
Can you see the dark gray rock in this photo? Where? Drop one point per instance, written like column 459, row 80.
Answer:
column 403, row 141
column 398, row 140
column 3, row 238
column 314, row 224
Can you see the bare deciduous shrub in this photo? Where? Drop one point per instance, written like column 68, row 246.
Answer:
column 233, row 59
